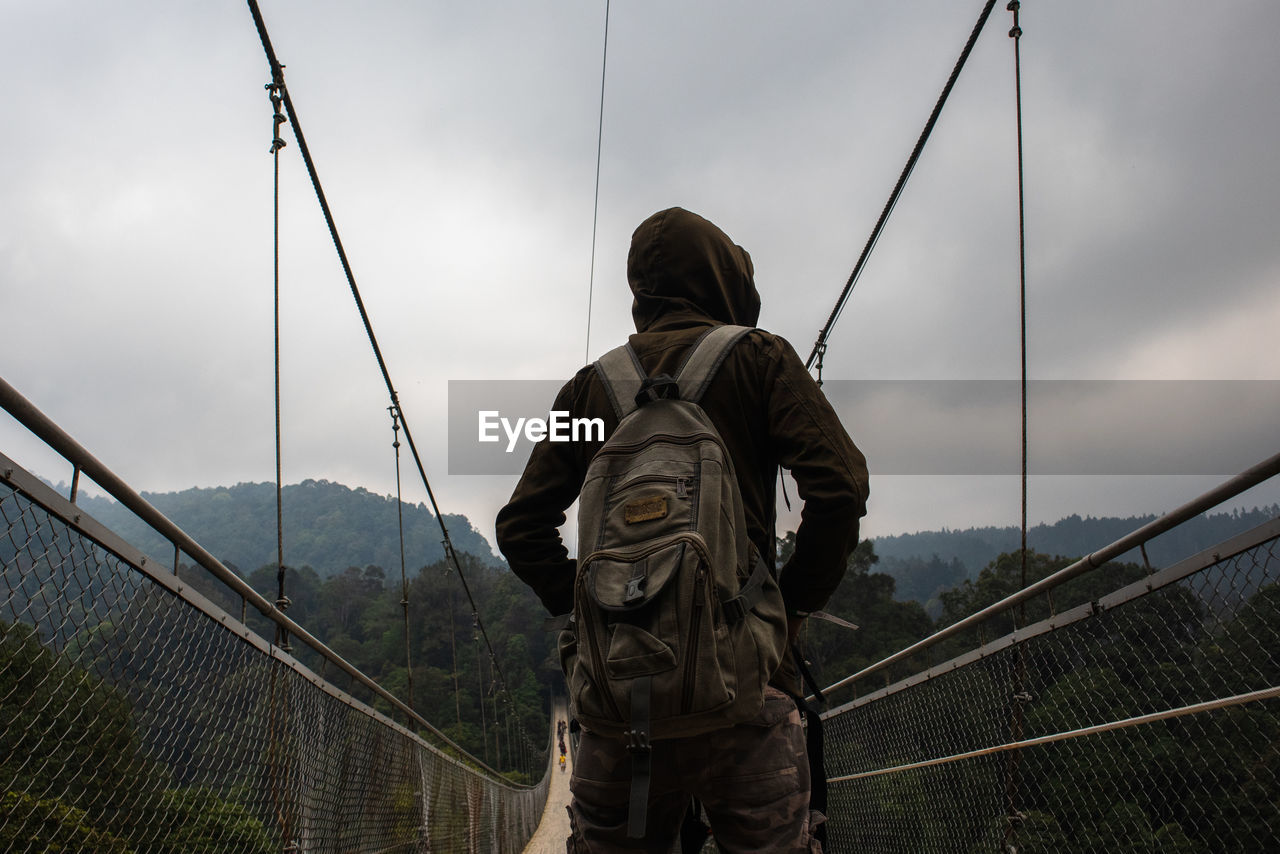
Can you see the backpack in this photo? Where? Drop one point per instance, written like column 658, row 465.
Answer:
column 678, row 623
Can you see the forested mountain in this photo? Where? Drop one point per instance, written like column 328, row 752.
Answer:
column 360, row 614
column 926, row 563
column 358, row 607
column 330, row 527
column 327, row 526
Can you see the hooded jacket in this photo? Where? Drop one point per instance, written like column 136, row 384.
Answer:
column 685, row 275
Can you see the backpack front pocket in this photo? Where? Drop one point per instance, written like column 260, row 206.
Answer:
column 652, row 612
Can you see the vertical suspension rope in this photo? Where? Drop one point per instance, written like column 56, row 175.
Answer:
column 1019, row 694
column 497, row 726
column 453, row 651
column 513, row 760
column 484, row 729
column 595, row 213
column 275, row 724
column 277, row 143
column 277, row 720
column 404, row 583
column 497, row 732
column 1016, row 34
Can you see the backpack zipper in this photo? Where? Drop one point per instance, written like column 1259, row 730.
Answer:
column 597, row 660
column 669, row 438
column 646, row 549
column 691, row 648
column 680, row 482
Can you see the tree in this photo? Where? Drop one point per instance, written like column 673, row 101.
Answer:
column 73, row 772
column 866, row 599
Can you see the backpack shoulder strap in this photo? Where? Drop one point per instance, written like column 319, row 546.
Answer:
column 705, row 358
column 621, row 375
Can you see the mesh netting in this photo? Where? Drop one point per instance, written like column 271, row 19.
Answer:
column 137, row 716
column 923, row 764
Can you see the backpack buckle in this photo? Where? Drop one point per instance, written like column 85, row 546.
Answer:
column 661, row 387
column 637, row 741
column 638, row 732
column 735, row 609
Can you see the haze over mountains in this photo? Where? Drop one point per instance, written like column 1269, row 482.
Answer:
column 926, row 563
column 327, row 526
column 331, row 527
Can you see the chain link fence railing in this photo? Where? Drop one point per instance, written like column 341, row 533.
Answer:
column 136, row 715
column 1125, row 710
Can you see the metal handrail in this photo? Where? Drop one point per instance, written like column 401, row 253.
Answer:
column 41, row 426
column 1247, row 479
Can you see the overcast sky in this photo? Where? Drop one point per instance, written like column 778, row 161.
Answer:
column 457, row 145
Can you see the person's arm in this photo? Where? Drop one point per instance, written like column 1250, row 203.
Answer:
column 831, row 478
column 528, row 526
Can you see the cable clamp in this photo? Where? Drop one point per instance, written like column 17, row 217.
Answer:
column 395, row 425
column 278, row 118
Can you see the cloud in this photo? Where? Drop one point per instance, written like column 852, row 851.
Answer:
column 457, row 148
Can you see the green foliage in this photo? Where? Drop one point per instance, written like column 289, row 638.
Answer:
column 1040, row 833
column 1193, row 784
column 63, row 730
column 920, row 580
column 49, row 826
column 360, row 614
column 866, row 599
column 327, row 526
column 198, row 820
column 70, row 749
column 1003, row 577
column 68, row 735
column 1205, row 782
column 925, row 563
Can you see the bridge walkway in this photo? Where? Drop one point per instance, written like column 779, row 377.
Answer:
column 553, row 829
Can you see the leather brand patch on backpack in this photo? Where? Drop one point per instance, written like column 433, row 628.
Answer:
column 645, row 509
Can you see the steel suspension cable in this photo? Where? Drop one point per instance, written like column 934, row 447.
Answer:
column 820, row 346
column 277, row 76
column 595, row 212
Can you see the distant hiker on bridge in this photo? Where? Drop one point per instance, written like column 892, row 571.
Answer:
column 674, row 653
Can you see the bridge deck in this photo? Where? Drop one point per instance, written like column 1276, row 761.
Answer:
column 553, row 830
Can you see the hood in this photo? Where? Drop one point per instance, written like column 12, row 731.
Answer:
column 684, row 271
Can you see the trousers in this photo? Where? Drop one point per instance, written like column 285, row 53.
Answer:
column 752, row 780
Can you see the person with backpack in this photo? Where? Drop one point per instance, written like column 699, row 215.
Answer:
column 678, row 623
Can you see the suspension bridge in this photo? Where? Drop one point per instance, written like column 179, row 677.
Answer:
column 139, row 715
column 1138, row 713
